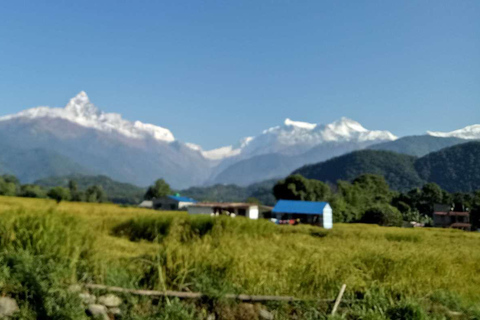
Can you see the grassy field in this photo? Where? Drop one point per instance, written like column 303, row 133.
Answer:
column 390, row 273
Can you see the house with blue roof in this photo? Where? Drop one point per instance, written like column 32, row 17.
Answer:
column 309, row 212
column 174, row 202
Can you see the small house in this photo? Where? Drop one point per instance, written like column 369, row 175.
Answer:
column 309, row 212
column 175, row 202
column 249, row 210
column 445, row 217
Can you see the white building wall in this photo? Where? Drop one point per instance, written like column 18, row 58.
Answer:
column 327, row 217
column 252, row 212
column 184, row 205
column 199, row 210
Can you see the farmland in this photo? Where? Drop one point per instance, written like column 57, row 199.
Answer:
column 389, row 272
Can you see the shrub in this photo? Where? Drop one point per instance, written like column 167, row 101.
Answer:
column 383, row 215
column 406, row 311
column 41, row 254
column 59, row 194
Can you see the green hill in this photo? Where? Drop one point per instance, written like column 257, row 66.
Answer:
column 117, row 192
column 398, row 169
column 233, row 193
column 454, row 169
column 28, row 165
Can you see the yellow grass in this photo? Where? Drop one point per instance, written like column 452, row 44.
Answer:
column 257, row 257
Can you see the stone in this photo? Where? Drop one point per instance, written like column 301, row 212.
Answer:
column 98, row 311
column 8, row 307
column 264, row 314
column 211, row 317
column 110, row 300
column 87, row 298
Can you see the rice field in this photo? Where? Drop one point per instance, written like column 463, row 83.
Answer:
column 390, row 273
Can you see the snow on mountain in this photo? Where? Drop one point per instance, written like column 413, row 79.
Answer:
column 222, row 152
column 294, row 137
column 469, row 132
column 81, row 111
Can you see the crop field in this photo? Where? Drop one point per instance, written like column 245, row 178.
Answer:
column 390, row 273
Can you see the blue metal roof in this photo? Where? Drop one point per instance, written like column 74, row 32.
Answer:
column 182, row 199
column 301, row 207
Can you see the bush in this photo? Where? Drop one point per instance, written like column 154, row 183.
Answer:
column 383, row 215
column 32, row 191
column 59, row 194
column 41, row 254
column 406, row 311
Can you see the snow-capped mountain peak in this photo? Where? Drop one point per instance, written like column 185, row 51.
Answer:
column 296, row 137
column 81, row 111
column 299, row 124
column 81, row 106
column 346, row 126
column 470, row 132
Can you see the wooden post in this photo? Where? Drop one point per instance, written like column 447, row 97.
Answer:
column 339, row 298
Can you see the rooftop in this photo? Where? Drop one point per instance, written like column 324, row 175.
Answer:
column 301, row 207
column 226, row 204
column 182, row 199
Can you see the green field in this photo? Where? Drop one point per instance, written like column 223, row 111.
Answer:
column 390, row 273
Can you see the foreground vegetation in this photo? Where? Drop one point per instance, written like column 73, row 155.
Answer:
column 390, row 273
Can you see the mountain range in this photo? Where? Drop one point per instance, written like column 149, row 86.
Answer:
column 81, row 139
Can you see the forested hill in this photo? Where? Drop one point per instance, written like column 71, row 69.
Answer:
column 398, row 169
column 117, row 192
column 261, row 191
column 454, row 169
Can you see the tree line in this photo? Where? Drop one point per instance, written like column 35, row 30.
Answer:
column 369, row 199
column 11, row 186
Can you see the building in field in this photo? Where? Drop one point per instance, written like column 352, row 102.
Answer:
column 309, row 212
column 445, row 217
column 173, row 203
column 234, row 209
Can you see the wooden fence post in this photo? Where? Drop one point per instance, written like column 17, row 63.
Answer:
column 339, row 298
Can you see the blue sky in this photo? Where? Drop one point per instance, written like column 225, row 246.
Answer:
column 216, row 71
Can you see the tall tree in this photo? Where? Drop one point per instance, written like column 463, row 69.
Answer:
column 8, row 185
column 431, row 194
column 95, row 194
column 59, row 194
column 75, row 194
column 296, row 187
column 158, row 190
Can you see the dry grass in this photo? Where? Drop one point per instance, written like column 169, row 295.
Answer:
column 256, row 257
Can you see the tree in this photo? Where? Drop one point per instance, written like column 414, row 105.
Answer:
column 59, row 194
column 374, row 186
column 75, row 194
column 32, row 191
column 296, row 187
column 475, row 210
column 158, row 190
column 383, row 215
column 95, row 194
column 8, row 186
column 431, row 195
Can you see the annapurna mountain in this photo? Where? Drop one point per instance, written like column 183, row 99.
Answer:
column 79, row 138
